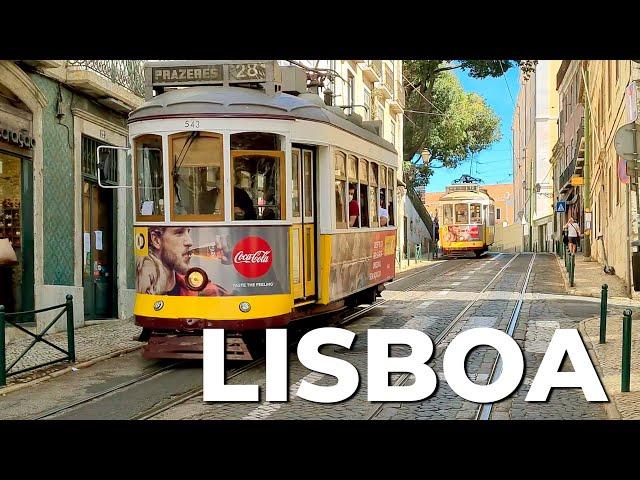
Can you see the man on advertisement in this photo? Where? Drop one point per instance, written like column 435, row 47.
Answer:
column 163, row 271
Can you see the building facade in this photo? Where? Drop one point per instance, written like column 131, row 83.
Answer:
column 567, row 159
column 535, row 133
column 611, row 223
column 373, row 91
column 69, row 235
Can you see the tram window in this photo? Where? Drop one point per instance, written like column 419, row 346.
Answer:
column 391, row 182
column 462, row 213
column 363, row 177
column 340, row 175
column 257, row 193
column 149, row 177
column 307, row 165
column 352, row 168
column 197, row 170
column 373, row 194
column 476, row 215
column 383, row 212
column 295, row 182
column 447, row 214
column 255, row 141
column 354, row 206
column 491, row 221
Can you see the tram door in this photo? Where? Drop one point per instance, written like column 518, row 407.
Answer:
column 303, row 230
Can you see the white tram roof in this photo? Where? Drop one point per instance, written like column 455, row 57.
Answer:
column 219, row 101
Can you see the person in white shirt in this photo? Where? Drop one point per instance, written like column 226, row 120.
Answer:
column 383, row 214
column 574, row 234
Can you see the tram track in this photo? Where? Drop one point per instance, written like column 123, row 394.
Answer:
column 484, row 411
column 442, row 335
column 188, row 395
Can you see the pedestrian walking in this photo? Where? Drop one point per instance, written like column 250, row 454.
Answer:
column 573, row 233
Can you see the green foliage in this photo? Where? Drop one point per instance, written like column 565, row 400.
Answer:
column 443, row 119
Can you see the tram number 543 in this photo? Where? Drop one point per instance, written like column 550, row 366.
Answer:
column 192, row 124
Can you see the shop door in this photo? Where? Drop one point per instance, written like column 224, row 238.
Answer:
column 98, row 251
column 16, row 224
column 304, row 224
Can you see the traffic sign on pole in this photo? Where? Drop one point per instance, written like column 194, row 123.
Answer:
column 561, row 206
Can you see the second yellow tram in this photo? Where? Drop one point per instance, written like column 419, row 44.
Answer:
column 467, row 219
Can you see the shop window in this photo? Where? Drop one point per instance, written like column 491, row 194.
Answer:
column 147, row 154
column 340, row 175
column 196, row 167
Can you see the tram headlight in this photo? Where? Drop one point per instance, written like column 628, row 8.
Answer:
column 244, row 307
column 196, row 279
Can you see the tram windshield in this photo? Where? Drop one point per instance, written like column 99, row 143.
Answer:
column 476, row 215
column 462, row 213
column 149, row 177
column 447, row 214
column 196, row 167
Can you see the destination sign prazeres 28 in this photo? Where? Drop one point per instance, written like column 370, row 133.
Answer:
column 176, row 75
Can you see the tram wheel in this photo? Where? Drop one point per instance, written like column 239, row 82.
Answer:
column 478, row 253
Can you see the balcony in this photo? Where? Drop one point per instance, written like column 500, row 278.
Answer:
column 371, row 73
column 397, row 102
column 118, row 84
column 576, row 167
column 386, row 85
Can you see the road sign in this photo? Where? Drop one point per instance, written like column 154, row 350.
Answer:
column 622, row 170
column 626, row 141
column 561, row 206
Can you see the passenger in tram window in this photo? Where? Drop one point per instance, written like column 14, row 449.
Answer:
column 243, row 208
column 383, row 213
column 208, row 200
column 354, row 206
column 391, row 221
column 163, row 270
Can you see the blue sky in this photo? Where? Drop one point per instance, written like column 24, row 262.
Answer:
column 492, row 165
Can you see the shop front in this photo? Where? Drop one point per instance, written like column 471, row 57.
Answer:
column 16, row 203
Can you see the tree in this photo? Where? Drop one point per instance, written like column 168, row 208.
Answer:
column 441, row 118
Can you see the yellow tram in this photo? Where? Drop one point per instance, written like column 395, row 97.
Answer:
column 255, row 204
column 467, row 219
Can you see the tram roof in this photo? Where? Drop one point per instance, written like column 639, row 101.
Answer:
column 246, row 102
column 452, row 196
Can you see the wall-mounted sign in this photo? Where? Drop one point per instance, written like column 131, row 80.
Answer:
column 561, row 206
column 622, row 170
column 19, row 138
column 631, row 95
column 576, row 180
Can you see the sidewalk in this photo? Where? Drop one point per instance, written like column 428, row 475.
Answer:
column 97, row 341
column 609, row 358
column 589, row 277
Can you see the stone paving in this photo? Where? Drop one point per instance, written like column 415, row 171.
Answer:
column 609, row 358
column 91, row 341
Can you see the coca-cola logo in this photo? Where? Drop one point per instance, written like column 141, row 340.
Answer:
column 252, row 257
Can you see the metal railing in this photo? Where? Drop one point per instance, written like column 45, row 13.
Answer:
column 388, row 79
column 566, row 175
column 70, row 353
column 126, row 73
column 376, row 65
column 399, row 94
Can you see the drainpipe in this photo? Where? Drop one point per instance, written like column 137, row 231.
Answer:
column 586, row 190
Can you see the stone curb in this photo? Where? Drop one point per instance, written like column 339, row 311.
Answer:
column 610, row 407
column 58, row 373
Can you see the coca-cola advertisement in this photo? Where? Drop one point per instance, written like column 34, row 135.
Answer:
column 236, row 260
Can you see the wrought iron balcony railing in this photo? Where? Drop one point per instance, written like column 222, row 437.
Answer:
column 399, row 94
column 377, row 67
column 388, row 79
column 126, row 73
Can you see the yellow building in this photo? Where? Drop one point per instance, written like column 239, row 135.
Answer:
column 610, row 104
